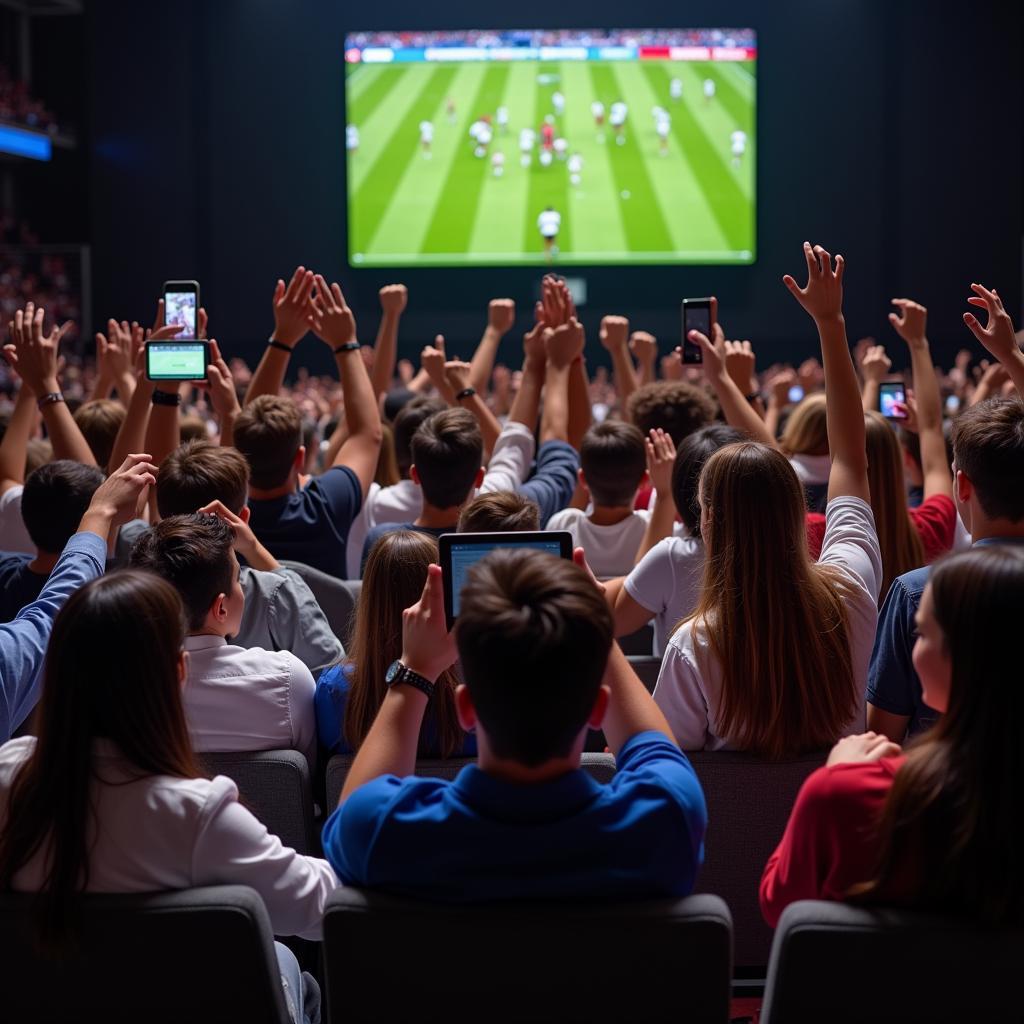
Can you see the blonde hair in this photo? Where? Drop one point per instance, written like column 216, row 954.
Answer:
column 806, row 430
column 774, row 620
column 898, row 538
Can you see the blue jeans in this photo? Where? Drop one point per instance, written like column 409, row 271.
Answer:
column 301, row 992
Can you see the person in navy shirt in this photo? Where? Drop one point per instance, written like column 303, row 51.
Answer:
column 988, row 455
column 534, row 638
column 308, row 522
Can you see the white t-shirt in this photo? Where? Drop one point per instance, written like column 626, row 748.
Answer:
column 575, row 163
column 666, row 581
column 159, row 832
column 709, row 87
column 675, row 88
column 611, row 550
column 527, row 137
column 597, row 109
column 690, row 698
column 549, row 222
column 484, row 136
column 558, row 102
column 13, row 535
column 618, row 113
column 501, row 115
column 560, row 145
column 426, row 131
column 663, row 125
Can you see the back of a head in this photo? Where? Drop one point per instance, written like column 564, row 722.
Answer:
column 395, row 401
column 199, row 472
column 447, row 451
column 775, row 622
column 690, row 458
column 613, row 459
column 54, row 500
column 112, row 674
column 193, row 553
column 99, row 422
column 407, row 422
column 676, row 407
column 533, row 635
column 988, row 448
column 806, row 431
column 268, row 432
column 499, row 512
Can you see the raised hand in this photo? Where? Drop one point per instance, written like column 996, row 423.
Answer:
column 456, row 373
column 221, row 387
column 427, row 646
column 661, row 457
column 36, row 353
column 119, row 497
column 644, row 347
column 997, row 335
column 393, row 299
column 115, row 351
column 331, row 319
column 564, row 343
column 672, row 366
column 740, row 362
column 614, row 332
column 822, row 296
column 909, row 412
column 432, row 360
column 876, row 364
column 501, row 315
column 534, row 347
column 910, row 322
column 779, row 386
column 293, row 309
column 555, row 301
column 713, row 362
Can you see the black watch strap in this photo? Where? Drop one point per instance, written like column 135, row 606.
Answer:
column 349, row 346
column 399, row 673
column 166, row 398
column 50, row 398
column 465, row 393
column 279, row 345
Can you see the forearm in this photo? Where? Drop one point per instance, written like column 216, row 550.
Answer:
column 1015, row 368
column 646, row 375
column 269, row 375
column 390, row 745
column 580, row 413
column 659, row 524
column 630, row 707
column 844, row 412
column 258, row 557
column 482, row 364
column 554, row 424
column 385, row 353
column 737, row 410
column 227, row 429
column 526, row 406
column 163, row 431
column 362, row 415
column 420, row 382
column 124, row 386
column 102, row 388
column 490, row 428
column 14, row 445
column 869, row 395
column 625, row 375
column 772, row 417
column 67, row 439
column 131, row 437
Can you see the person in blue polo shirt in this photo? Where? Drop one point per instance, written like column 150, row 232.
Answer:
column 534, row 638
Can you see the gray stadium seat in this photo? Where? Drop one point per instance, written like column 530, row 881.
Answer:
column 275, row 786
column 655, row 960
column 749, row 800
column 647, row 668
column 846, row 965
column 600, row 766
column 199, row 955
column 337, row 598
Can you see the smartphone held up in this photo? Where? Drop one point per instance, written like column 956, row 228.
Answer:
column 698, row 315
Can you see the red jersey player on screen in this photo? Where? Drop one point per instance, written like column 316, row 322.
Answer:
column 547, row 133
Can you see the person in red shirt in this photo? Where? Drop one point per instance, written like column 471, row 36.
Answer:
column 940, row 826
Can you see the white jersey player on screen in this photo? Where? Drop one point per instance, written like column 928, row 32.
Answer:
column 426, row 136
column 497, row 163
column 558, row 102
column 617, row 119
column 709, row 90
column 351, row 138
column 663, row 125
column 501, row 119
column 561, row 148
column 597, row 112
column 738, row 141
column 575, row 170
column 675, row 90
column 527, row 140
column 483, row 136
column 548, row 224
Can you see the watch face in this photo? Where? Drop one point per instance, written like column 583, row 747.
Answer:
column 392, row 673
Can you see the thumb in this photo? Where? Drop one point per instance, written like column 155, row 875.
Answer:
column 278, row 291
column 790, row 283
column 439, row 343
column 894, row 319
column 973, row 326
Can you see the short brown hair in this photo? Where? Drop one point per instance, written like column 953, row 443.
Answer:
column 676, row 407
column 499, row 512
column 193, row 553
column 988, row 447
column 192, row 428
column 268, row 432
column 99, row 422
column 407, row 422
column 613, row 459
column 447, row 451
column 533, row 635
column 199, row 472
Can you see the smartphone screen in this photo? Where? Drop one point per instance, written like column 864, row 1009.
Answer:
column 696, row 317
column 181, row 306
column 796, row 394
column 171, row 360
column 889, row 393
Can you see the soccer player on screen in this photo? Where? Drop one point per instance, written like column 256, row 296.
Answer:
column 351, row 138
column 498, row 163
column 547, row 135
column 662, row 126
column 738, row 140
column 561, row 147
column 617, row 119
column 597, row 111
column 483, row 140
column 450, row 109
column 575, row 170
column 426, row 137
column 558, row 102
column 548, row 223
column 709, row 90
column 501, row 119
column 675, row 90
column 527, row 140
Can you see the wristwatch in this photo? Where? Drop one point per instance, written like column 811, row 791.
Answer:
column 166, row 398
column 398, row 673
column 349, row 346
column 465, row 393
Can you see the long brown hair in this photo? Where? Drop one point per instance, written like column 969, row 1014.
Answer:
column 392, row 581
column 774, row 620
column 898, row 538
column 956, row 806
column 806, row 430
column 111, row 673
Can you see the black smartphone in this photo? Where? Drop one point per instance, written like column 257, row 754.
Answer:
column 889, row 393
column 459, row 552
column 177, row 360
column 696, row 317
column 181, row 306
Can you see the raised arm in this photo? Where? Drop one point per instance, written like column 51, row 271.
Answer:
column 614, row 336
column 334, row 324
column 778, row 399
column 910, row 325
column 457, row 373
column 644, row 347
column 564, row 344
column 115, row 357
column 661, row 457
column 432, row 363
column 997, row 335
column 220, row 386
column 393, row 298
column 741, row 364
column 501, row 316
column 14, row 446
column 526, row 405
column 292, row 311
column 822, row 298
column 874, row 367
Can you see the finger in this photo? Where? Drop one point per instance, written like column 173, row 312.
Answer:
column 295, row 283
column 840, row 267
column 895, row 320
column 579, row 556
column 305, row 288
column 826, row 258
column 323, row 293
column 201, row 323
column 701, row 339
column 974, row 327
column 63, row 330
column 812, row 264
column 37, row 324
column 278, row 292
column 439, row 343
column 975, row 301
column 339, row 298
column 159, row 321
column 791, row 284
